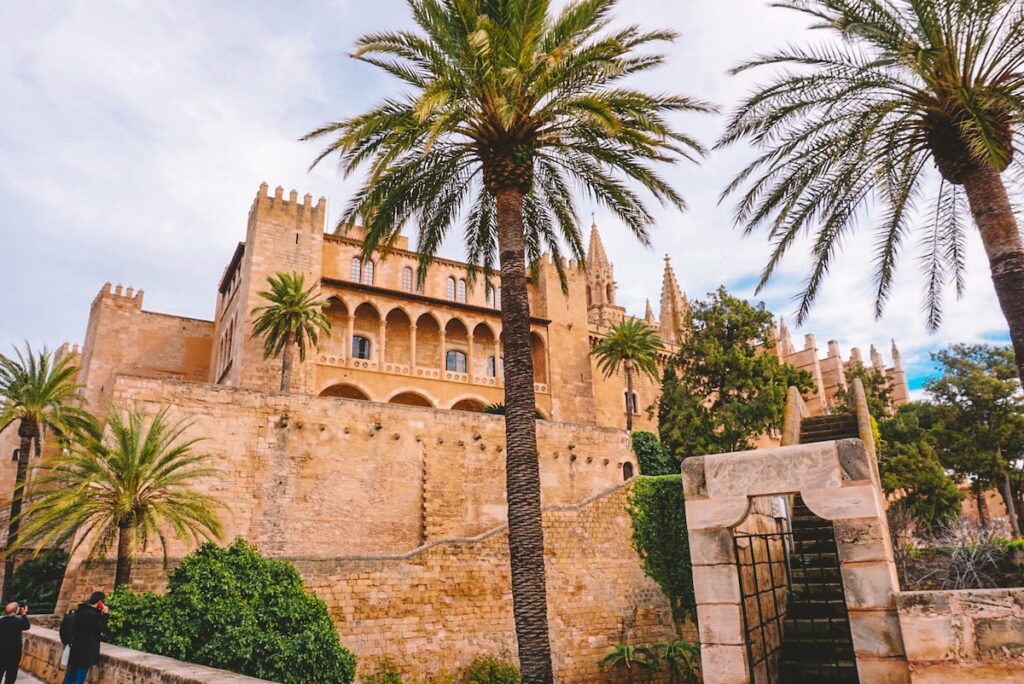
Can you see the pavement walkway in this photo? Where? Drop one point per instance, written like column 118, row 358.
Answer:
column 26, row 678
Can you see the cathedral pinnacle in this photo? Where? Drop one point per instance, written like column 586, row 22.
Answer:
column 674, row 306
column 649, row 315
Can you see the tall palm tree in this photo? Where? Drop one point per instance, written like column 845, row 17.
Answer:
column 294, row 319
column 506, row 105
column 861, row 120
column 631, row 345
column 127, row 486
column 40, row 393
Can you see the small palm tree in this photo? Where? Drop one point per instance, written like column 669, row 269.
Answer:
column 294, row 319
column 127, row 487
column 630, row 658
column 908, row 84
column 633, row 345
column 40, row 393
column 682, row 658
column 507, row 107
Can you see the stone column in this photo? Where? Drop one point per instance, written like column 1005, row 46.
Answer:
column 412, row 346
column 444, row 352
column 469, row 358
column 497, row 358
column 382, row 335
column 351, row 335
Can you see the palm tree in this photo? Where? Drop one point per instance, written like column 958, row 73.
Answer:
column 628, row 658
column 633, row 345
column 857, row 121
column 506, row 106
column 126, row 487
column 294, row 318
column 40, row 393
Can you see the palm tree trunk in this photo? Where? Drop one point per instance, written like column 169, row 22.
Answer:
column 522, row 471
column 123, row 575
column 286, row 365
column 1000, row 234
column 27, row 431
column 629, row 395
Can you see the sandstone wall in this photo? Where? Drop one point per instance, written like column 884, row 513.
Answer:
column 963, row 636
column 324, row 477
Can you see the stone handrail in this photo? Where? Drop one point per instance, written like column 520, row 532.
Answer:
column 41, row 658
column 796, row 410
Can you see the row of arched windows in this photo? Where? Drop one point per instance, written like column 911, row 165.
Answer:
column 456, row 290
column 227, row 339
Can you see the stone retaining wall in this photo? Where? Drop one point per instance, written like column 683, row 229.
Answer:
column 963, row 636
column 41, row 658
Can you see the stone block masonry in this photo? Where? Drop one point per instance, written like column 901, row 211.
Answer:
column 973, row 635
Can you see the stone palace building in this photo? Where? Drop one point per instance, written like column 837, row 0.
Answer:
column 378, row 476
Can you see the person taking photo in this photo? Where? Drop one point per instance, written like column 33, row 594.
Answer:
column 12, row 624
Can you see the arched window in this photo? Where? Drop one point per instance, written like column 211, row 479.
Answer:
column 451, row 289
column 360, row 347
column 356, row 271
column 455, row 361
column 16, row 454
column 407, row 279
column 627, row 471
column 368, row 273
column 631, row 402
column 491, row 367
column 460, row 294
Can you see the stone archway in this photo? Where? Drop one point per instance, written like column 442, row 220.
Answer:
column 837, row 482
column 345, row 391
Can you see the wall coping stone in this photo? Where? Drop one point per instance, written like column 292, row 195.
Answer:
column 144, row 666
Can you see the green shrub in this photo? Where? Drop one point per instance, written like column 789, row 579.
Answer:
column 660, row 538
column 491, row 670
column 387, row 672
column 652, row 456
column 38, row 579
column 232, row 608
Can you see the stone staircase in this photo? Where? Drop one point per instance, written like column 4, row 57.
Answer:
column 816, row 644
column 828, row 428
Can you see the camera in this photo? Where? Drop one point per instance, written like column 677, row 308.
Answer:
column 23, row 603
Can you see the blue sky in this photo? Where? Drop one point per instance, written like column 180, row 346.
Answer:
column 134, row 135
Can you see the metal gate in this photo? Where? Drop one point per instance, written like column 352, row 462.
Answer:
column 794, row 606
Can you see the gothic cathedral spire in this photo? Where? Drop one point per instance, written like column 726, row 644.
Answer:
column 600, row 274
column 674, row 306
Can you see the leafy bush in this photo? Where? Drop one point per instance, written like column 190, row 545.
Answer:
column 232, row 608
column 387, row 672
column 660, row 538
column 652, row 456
column 38, row 579
column 491, row 670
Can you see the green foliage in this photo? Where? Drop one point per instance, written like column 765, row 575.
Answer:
column 631, row 343
column 387, row 672
column 38, row 579
column 294, row 316
column 491, row 670
column 725, row 387
column 860, row 121
column 39, row 389
column 233, row 609
column 135, row 477
column 628, row 658
column 910, row 466
column 876, row 391
column 660, row 539
column 508, row 94
column 682, row 659
column 652, row 456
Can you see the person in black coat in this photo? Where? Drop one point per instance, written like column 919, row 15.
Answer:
column 90, row 622
column 12, row 624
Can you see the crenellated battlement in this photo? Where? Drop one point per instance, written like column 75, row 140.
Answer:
column 118, row 293
column 275, row 206
column 67, row 349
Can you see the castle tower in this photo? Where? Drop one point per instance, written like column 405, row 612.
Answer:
column 674, row 306
column 285, row 234
column 600, row 273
